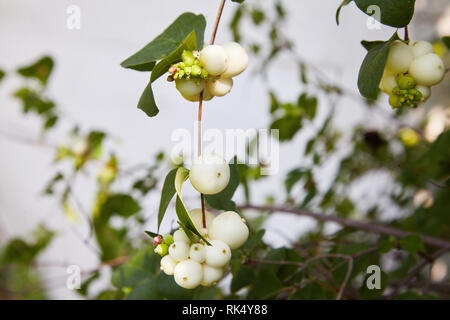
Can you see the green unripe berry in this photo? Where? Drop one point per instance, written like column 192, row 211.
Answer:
column 395, row 101
column 168, row 239
column 196, row 70
column 188, row 57
column 405, row 82
column 162, row 249
column 204, row 74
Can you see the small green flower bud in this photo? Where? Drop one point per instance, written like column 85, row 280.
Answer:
column 394, row 101
column 188, row 57
column 162, row 249
column 405, row 82
column 204, row 74
column 168, row 239
column 196, row 70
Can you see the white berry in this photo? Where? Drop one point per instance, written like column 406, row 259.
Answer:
column 427, row 70
column 211, row 275
column 181, row 236
column 238, row 59
column 425, row 91
column 197, row 218
column 218, row 254
column 388, row 82
column 421, row 48
column 80, row 147
column 168, row 264
column 214, row 59
column 190, row 87
column 179, row 250
column 197, row 252
column 219, row 87
column 188, row 274
column 229, row 228
column 400, row 57
column 209, row 174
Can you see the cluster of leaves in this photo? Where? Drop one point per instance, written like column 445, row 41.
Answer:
column 32, row 96
column 18, row 278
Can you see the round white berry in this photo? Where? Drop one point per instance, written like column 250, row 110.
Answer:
column 421, row 48
column 399, row 58
column 188, row 274
column 190, row 87
column 217, row 254
column 197, row 218
column 197, row 252
column 214, row 59
column 209, row 174
column 168, row 264
column 181, row 236
column 425, row 91
column 388, row 82
column 427, row 70
column 229, row 228
column 80, row 147
column 219, row 87
column 211, row 275
column 179, row 250
column 206, row 96
column 237, row 59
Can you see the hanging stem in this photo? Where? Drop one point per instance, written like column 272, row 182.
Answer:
column 406, row 34
column 200, row 107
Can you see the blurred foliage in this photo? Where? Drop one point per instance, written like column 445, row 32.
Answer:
column 315, row 266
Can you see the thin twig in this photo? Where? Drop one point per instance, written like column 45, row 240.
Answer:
column 216, row 25
column 415, row 271
column 360, row 225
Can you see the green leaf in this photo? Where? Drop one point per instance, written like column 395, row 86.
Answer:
column 372, row 69
column 386, row 245
column 139, row 268
column 222, row 200
column 167, row 193
column 147, row 102
column 167, row 41
column 2, row 74
column 243, row 277
column 292, row 178
column 338, row 11
column 181, row 176
column 369, row 45
column 39, row 70
column 151, row 234
column 288, row 126
column 266, row 285
column 411, row 243
column 394, row 13
column 190, row 44
column 119, row 204
column 238, row 1
column 312, row 291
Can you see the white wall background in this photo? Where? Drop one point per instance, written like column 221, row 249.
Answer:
column 91, row 88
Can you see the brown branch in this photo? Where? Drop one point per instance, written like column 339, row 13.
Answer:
column 415, row 271
column 216, row 25
column 349, row 223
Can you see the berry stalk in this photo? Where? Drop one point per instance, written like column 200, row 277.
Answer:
column 200, row 107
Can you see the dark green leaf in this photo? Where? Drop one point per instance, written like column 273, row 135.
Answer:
column 167, row 41
column 119, row 204
column 2, row 74
column 39, row 70
column 167, row 193
column 147, row 102
column 365, row 293
column 411, row 243
column 372, row 69
column 394, row 13
column 338, row 11
column 445, row 40
column 151, row 234
column 288, row 126
column 244, row 277
column 369, row 45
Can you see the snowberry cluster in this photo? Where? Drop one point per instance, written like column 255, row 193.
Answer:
column 196, row 263
column 410, row 72
column 209, row 71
